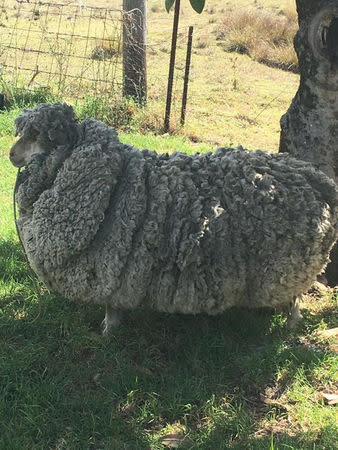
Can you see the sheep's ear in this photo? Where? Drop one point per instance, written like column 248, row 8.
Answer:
column 62, row 134
column 21, row 121
column 56, row 135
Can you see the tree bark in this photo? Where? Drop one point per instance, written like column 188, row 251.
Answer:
column 309, row 129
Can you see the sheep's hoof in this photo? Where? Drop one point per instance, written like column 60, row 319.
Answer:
column 112, row 320
column 294, row 314
column 293, row 322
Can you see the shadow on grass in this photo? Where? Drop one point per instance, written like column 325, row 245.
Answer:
column 13, row 264
column 65, row 386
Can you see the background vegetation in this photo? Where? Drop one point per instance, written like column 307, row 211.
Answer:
column 240, row 380
column 237, row 91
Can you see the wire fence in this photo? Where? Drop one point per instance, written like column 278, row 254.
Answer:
column 67, row 48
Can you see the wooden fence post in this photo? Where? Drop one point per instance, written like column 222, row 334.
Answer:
column 309, row 127
column 134, row 50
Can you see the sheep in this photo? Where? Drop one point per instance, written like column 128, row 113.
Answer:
column 104, row 222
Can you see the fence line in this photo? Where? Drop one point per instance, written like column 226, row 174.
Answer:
column 42, row 47
column 78, row 44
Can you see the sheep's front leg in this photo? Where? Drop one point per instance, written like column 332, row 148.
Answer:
column 294, row 314
column 111, row 320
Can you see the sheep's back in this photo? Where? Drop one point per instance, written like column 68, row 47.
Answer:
column 228, row 228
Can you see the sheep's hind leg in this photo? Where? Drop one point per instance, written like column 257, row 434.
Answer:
column 111, row 320
column 294, row 315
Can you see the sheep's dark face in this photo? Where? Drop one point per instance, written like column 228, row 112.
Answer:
column 43, row 130
column 22, row 151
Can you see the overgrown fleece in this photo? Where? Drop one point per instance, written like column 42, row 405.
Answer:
column 104, row 222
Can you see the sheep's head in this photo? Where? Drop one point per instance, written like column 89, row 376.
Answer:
column 42, row 130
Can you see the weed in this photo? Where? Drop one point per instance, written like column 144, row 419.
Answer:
column 17, row 96
column 201, row 44
column 150, row 121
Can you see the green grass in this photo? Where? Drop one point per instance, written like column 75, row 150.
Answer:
column 164, row 144
column 236, row 381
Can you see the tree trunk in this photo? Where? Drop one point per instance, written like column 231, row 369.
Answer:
column 309, row 129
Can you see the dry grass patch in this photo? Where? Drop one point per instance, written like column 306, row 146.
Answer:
column 265, row 35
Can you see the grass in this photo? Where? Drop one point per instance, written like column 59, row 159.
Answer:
column 236, row 381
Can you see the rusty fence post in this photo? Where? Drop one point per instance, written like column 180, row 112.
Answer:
column 171, row 66
column 186, row 75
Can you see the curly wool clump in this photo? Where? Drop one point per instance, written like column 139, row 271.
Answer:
column 105, row 222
